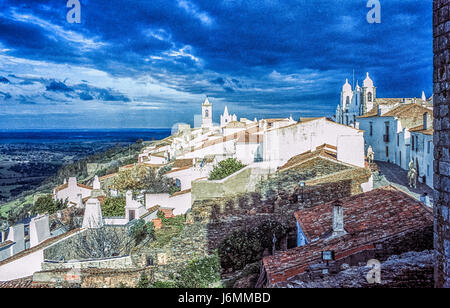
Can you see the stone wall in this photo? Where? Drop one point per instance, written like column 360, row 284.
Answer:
column 111, row 263
column 247, row 211
column 441, row 78
column 408, row 270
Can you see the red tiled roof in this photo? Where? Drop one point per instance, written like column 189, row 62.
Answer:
column 180, row 163
column 150, row 210
column 368, row 218
column 301, row 158
column 26, row 282
column 419, row 129
column 107, row 176
column 64, row 186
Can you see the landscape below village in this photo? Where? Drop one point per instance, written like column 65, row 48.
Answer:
column 274, row 202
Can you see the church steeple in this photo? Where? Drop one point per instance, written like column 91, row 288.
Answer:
column 206, row 114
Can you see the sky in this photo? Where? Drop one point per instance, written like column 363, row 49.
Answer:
column 144, row 64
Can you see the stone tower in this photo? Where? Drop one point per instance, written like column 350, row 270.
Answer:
column 206, row 114
column 441, row 94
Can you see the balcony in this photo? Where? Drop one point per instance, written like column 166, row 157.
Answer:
column 386, row 138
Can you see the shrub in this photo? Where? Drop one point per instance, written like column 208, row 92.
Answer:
column 225, row 168
column 113, row 206
column 46, row 205
column 247, row 246
column 164, row 284
column 143, row 282
column 199, row 273
column 141, row 230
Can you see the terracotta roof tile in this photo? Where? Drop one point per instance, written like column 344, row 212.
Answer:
column 368, row 218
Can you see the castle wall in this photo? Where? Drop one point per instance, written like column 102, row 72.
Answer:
column 441, row 79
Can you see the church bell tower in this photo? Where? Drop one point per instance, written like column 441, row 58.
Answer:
column 207, row 114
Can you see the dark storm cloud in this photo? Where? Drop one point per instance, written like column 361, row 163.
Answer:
column 232, row 48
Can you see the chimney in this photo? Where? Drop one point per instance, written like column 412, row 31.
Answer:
column 72, row 182
column 128, row 197
column 426, row 120
column 338, row 219
column 80, row 201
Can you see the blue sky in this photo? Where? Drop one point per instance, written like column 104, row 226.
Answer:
column 151, row 63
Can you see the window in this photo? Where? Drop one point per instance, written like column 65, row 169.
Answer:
column 428, row 170
column 428, row 147
column 412, row 143
column 398, row 139
column 346, row 119
column 347, row 101
column 400, row 158
column 387, row 151
column 417, row 143
column 206, row 113
column 369, row 97
column 371, row 129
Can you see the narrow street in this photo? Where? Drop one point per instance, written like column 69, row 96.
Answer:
column 392, row 174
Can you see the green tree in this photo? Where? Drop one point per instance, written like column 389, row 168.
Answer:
column 141, row 230
column 199, row 273
column 143, row 282
column 113, row 206
column 46, row 205
column 225, row 168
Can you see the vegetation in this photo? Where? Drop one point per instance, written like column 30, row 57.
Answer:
column 143, row 282
column 171, row 227
column 225, row 168
column 141, row 230
column 118, row 155
column 247, row 246
column 198, row 273
column 113, row 207
column 46, row 205
column 141, row 177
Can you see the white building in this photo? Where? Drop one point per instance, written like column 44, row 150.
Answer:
column 71, row 190
column 422, row 150
column 355, row 102
column 280, row 144
column 226, row 118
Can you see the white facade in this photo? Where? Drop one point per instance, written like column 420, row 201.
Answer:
column 283, row 143
column 39, row 230
column 207, row 114
column 180, row 202
column 422, row 156
column 71, row 190
column 355, row 102
column 227, row 118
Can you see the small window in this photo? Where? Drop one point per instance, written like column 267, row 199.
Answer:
column 398, row 140
column 428, row 147
column 387, row 151
column 369, row 97
column 428, row 170
column 412, row 143
column 371, row 129
column 348, row 100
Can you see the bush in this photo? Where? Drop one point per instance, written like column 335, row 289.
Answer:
column 164, row 285
column 113, row 206
column 143, row 282
column 199, row 273
column 141, row 230
column 247, row 246
column 46, row 205
column 225, row 168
